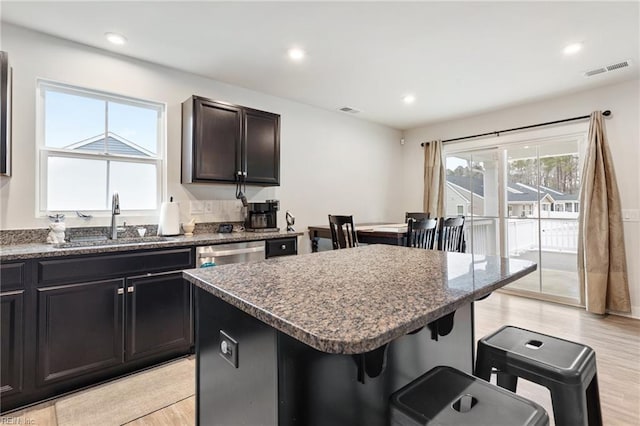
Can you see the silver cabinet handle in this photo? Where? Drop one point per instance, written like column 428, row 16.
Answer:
column 121, row 291
column 130, row 289
column 283, row 247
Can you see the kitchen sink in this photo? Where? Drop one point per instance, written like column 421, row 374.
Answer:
column 101, row 241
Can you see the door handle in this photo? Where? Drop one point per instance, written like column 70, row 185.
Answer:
column 130, row 289
column 121, row 290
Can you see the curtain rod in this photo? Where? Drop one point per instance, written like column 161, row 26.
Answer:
column 497, row 132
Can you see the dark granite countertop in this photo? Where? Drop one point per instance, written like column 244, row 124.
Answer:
column 39, row 250
column 355, row 300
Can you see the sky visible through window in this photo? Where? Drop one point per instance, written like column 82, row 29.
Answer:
column 70, row 119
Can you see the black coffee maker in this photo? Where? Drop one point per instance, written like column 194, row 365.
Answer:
column 262, row 217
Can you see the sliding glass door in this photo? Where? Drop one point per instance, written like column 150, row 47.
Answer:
column 522, row 201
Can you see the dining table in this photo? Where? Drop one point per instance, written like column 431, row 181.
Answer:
column 368, row 233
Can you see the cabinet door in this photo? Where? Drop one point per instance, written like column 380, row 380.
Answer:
column 11, row 339
column 79, row 329
column 216, row 140
column 281, row 247
column 158, row 314
column 262, row 147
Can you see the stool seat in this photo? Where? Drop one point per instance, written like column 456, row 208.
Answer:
column 446, row 396
column 566, row 368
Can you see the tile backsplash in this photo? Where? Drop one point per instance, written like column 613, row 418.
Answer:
column 216, row 210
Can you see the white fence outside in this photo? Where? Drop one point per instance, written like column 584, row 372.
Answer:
column 557, row 235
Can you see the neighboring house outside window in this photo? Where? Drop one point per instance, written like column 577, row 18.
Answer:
column 93, row 143
column 460, row 210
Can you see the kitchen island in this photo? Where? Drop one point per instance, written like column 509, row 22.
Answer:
column 325, row 338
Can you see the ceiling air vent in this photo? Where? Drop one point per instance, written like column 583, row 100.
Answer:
column 595, row 72
column 607, row 68
column 618, row 66
column 349, row 110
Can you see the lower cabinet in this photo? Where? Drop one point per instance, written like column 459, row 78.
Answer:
column 158, row 314
column 13, row 325
column 281, row 247
column 79, row 329
column 73, row 321
column 11, row 349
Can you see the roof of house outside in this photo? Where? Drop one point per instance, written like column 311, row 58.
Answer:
column 516, row 193
column 116, row 144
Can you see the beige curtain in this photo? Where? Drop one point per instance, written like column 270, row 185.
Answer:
column 602, row 264
column 433, row 201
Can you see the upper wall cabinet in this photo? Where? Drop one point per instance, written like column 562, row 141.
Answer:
column 229, row 143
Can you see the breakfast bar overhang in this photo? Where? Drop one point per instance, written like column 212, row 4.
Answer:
column 325, row 338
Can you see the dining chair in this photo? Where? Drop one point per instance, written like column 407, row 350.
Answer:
column 343, row 233
column 416, row 215
column 451, row 235
column 422, row 233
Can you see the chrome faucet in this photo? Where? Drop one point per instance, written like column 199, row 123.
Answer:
column 115, row 210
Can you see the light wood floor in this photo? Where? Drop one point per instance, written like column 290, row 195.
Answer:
column 616, row 341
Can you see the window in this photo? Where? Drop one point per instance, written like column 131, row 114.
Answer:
column 92, row 144
column 516, row 180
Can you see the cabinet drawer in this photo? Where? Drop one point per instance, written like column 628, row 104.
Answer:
column 281, row 247
column 12, row 276
column 113, row 265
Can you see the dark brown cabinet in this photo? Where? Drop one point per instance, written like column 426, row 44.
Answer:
column 73, row 321
column 229, row 143
column 281, row 247
column 11, row 350
column 79, row 329
column 12, row 329
column 158, row 314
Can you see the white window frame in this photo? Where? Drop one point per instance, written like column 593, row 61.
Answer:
column 44, row 152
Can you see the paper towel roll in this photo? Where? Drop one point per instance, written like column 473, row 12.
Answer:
column 169, row 223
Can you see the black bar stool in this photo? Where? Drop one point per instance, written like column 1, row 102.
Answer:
column 567, row 369
column 446, row 396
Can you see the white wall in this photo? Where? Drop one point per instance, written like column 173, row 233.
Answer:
column 623, row 131
column 330, row 162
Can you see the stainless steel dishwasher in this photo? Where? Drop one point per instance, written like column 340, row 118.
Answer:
column 223, row 254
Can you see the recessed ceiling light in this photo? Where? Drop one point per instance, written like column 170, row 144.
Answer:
column 116, row 38
column 409, row 99
column 572, row 49
column 296, row 54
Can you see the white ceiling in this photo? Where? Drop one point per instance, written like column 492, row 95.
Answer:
column 458, row 58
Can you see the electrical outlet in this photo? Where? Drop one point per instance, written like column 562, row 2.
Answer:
column 631, row 215
column 208, row 207
column 196, row 207
column 228, row 349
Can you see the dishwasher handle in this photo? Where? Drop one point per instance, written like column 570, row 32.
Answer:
column 231, row 252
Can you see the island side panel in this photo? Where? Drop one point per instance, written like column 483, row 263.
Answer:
column 320, row 389
column 225, row 395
